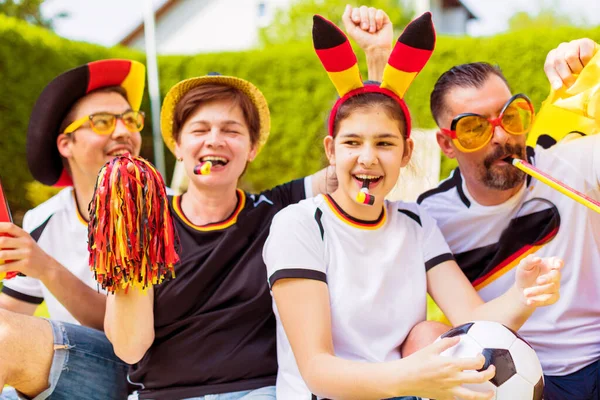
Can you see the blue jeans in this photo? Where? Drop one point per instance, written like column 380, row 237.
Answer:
column 84, row 367
column 264, row 393
column 580, row 385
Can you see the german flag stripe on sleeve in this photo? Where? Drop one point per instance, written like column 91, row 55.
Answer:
column 512, row 261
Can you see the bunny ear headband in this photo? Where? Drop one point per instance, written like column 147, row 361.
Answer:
column 411, row 52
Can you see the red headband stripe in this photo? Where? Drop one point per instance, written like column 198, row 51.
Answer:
column 369, row 89
column 409, row 59
column 103, row 74
column 337, row 59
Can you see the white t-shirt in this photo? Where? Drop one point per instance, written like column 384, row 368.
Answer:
column 375, row 272
column 61, row 232
column 489, row 241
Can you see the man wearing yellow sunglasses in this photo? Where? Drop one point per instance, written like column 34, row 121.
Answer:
column 492, row 215
column 82, row 119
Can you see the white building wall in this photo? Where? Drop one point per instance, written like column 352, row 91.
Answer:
column 452, row 21
column 200, row 26
column 449, row 21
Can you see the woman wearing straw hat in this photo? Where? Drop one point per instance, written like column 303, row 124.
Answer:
column 211, row 330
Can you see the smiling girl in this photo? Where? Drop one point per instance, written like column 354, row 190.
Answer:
column 349, row 273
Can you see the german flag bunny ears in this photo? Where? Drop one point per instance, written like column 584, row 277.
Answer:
column 411, row 52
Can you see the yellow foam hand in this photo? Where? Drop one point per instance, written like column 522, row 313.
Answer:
column 572, row 109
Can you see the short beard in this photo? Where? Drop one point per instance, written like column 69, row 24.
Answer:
column 504, row 177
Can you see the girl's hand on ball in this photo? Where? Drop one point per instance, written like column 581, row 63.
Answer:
column 438, row 377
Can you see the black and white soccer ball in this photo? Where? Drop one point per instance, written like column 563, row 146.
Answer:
column 518, row 371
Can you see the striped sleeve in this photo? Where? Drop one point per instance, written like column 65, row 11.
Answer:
column 288, row 193
column 435, row 248
column 294, row 248
column 22, row 287
column 25, row 289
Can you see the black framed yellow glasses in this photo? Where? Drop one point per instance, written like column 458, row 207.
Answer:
column 104, row 123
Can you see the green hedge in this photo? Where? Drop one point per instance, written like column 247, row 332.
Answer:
column 291, row 78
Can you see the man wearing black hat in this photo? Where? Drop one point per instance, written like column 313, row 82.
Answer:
column 81, row 120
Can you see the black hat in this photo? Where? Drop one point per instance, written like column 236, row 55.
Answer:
column 57, row 99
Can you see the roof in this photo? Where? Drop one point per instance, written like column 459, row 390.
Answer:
column 458, row 3
column 127, row 40
column 168, row 4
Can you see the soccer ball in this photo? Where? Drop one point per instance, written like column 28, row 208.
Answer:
column 518, row 370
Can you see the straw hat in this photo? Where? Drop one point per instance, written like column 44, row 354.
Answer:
column 180, row 89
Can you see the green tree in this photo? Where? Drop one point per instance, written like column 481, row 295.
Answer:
column 30, row 11
column 543, row 19
column 294, row 24
column 548, row 16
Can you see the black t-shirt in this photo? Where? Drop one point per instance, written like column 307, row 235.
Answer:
column 214, row 323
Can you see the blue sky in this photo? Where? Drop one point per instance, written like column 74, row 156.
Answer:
column 107, row 21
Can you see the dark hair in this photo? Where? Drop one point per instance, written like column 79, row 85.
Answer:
column 472, row 75
column 70, row 115
column 216, row 92
column 371, row 100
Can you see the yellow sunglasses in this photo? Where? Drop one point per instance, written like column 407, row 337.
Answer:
column 104, row 123
column 471, row 132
